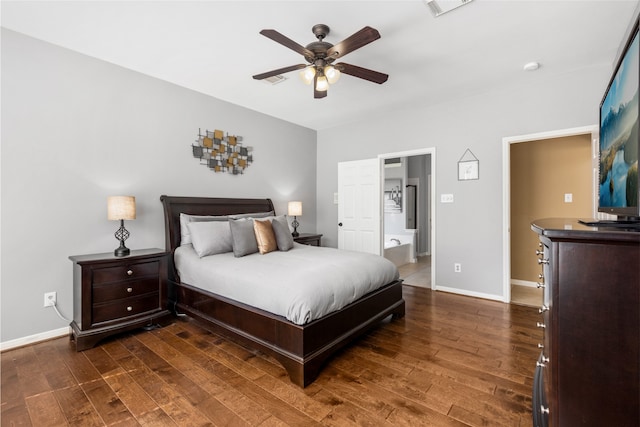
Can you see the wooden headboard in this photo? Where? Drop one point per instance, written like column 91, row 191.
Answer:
column 173, row 206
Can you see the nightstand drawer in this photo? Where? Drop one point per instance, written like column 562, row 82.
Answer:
column 122, row 272
column 119, row 309
column 126, row 289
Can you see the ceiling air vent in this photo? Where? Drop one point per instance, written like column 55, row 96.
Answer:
column 274, row 80
column 393, row 163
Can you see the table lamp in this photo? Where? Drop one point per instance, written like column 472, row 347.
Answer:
column 295, row 210
column 121, row 208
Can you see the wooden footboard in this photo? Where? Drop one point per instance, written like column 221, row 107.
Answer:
column 302, row 350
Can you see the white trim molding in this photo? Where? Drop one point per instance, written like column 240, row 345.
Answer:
column 32, row 339
column 593, row 130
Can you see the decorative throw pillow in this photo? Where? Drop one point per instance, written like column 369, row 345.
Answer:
column 283, row 234
column 264, row 236
column 243, row 237
column 185, row 236
column 210, row 238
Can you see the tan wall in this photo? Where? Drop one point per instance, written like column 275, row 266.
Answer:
column 541, row 173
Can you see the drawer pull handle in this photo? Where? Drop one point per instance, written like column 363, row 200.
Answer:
column 541, row 276
column 541, row 325
column 543, row 309
column 129, row 308
column 544, row 410
column 543, row 261
column 538, row 252
column 129, row 290
column 540, row 345
column 545, row 360
column 129, row 272
column 540, row 285
column 541, row 365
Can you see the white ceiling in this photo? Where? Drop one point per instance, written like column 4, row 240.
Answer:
column 214, row 47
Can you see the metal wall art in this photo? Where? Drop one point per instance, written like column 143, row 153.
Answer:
column 222, row 153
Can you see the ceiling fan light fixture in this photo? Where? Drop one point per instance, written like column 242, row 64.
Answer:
column 307, row 74
column 322, row 84
column 332, row 73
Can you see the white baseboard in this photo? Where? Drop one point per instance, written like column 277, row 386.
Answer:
column 524, row 283
column 32, row 339
column 471, row 293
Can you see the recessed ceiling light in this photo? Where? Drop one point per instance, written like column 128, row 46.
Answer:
column 531, row 66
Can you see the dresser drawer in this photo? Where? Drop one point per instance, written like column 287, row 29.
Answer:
column 122, row 272
column 119, row 309
column 126, row 289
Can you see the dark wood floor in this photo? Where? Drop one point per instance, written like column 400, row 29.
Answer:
column 452, row 361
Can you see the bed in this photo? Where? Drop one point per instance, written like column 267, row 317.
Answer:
column 302, row 349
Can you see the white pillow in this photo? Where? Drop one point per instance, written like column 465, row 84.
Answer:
column 185, row 236
column 252, row 215
column 210, row 237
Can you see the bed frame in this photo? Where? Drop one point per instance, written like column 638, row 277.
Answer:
column 301, row 349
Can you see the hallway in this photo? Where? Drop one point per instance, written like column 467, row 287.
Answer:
column 418, row 273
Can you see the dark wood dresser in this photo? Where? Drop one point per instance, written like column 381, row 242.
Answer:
column 588, row 372
column 116, row 294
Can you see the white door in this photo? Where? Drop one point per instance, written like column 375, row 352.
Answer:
column 359, row 206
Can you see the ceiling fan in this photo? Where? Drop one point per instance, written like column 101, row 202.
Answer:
column 320, row 56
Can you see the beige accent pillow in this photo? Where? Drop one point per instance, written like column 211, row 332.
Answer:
column 264, row 236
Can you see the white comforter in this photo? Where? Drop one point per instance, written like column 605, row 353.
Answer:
column 302, row 284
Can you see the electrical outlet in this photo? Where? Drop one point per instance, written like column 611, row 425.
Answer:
column 50, row 299
column 457, row 267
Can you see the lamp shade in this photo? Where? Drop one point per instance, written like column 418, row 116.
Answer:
column 295, row 208
column 121, row 207
column 307, row 74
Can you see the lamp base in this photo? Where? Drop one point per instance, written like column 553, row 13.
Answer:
column 122, row 234
column 295, row 225
column 122, row 251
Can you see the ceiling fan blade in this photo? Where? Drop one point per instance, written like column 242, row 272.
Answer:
column 279, row 71
column 287, row 42
column 353, row 42
column 363, row 73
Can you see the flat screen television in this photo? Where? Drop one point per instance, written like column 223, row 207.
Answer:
column 619, row 138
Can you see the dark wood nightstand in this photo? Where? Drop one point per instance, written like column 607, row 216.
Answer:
column 308, row 239
column 116, row 294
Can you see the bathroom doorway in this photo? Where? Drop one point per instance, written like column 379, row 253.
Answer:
column 408, row 222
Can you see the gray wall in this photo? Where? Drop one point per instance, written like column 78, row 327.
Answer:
column 76, row 130
column 468, row 231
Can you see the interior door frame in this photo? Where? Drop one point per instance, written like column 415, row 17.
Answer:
column 506, row 188
column 430, row 205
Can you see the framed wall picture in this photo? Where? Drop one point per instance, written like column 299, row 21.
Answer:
column 468, row 170
column 468, row 167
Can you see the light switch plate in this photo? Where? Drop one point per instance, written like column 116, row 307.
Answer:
column 446, row 198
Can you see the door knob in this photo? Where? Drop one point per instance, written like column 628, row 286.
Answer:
column 339, row 224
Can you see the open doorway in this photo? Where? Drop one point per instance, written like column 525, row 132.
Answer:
column 549, row 174
column 408, row 217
